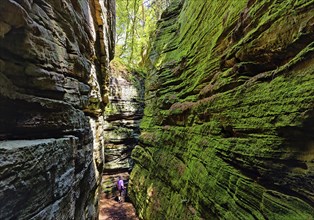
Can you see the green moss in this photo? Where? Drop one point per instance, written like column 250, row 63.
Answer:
column 227, row 115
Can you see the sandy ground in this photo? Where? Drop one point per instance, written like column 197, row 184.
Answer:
column 109, row 209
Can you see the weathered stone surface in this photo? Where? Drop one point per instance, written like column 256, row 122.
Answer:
column 54, row 62
column 40, row 172
column 122, row 116
column 228, row 121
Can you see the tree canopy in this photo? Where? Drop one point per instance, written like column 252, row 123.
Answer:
column 136, row 21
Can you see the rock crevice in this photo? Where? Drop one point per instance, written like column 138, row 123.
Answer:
column 122, row 116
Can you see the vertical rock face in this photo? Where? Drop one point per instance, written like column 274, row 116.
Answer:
column 122, row 116
column 228, row 122
column 54, row 59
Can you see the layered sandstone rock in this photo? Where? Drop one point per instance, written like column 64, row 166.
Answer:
column 122, row 115
column 54, row 60
column 229, row 116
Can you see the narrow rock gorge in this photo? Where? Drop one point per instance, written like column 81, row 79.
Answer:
column 54, row 64
column 223, row 130
column 122, row 116
column 227, row 131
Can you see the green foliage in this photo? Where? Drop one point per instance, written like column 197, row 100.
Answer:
column 136, row 22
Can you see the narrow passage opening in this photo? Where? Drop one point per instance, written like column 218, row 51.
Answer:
column 135, row 24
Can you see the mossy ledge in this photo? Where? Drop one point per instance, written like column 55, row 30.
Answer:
column 228, row 127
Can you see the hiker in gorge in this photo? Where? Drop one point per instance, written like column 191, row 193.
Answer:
column 120, row 186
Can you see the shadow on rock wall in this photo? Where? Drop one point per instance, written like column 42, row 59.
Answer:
column 52, row 73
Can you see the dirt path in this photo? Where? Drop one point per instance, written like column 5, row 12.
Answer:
column 109, row 209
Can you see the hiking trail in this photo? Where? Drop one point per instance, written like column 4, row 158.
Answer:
column 110, row 209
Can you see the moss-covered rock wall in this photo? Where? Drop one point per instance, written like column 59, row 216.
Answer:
column 228, row 127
